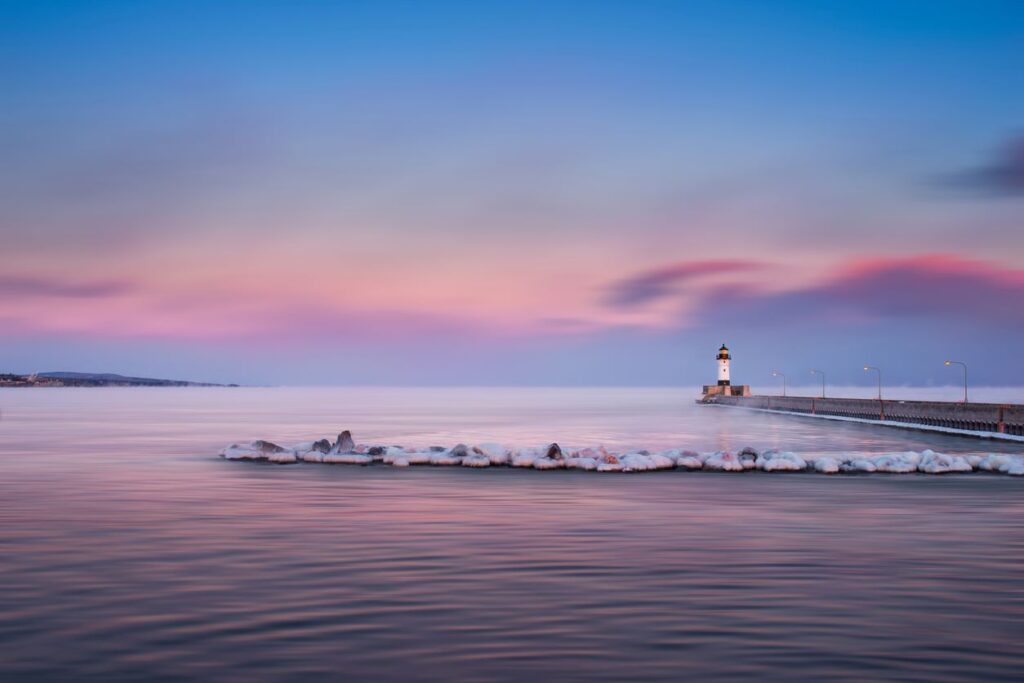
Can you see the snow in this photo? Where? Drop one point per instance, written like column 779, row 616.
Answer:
column 348, row 459
column 780, row 461
column 601, row 459
column 940, row 463
column 476, row 460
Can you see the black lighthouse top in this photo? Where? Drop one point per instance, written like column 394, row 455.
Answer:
column 723, row 353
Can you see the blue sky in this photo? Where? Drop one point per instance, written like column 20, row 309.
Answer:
column 420, row 193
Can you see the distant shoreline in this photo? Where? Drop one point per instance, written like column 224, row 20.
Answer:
column 85, row 379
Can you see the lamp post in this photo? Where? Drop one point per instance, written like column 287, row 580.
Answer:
column 822, row 381
column 776, row 373
column 872, row 367
column 964, row 366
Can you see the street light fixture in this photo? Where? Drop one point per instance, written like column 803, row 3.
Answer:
column 822, row 381
column 776, row 373
column 964, row 366
column 872, row 367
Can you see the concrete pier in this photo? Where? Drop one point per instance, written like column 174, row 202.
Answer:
column 996, row 418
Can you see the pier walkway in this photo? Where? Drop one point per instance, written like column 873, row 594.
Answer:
column 979, row 419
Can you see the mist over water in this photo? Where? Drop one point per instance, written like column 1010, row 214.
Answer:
column 130, row 550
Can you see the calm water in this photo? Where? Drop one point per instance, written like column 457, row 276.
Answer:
column 130, row 551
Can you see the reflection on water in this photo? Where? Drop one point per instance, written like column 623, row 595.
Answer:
column 130, row 551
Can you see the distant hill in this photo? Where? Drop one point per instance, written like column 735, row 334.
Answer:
column 112, row 379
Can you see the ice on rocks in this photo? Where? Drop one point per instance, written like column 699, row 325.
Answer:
column 495, row 453
column 344, row 451
column 445, row 458
column 546, row 463
column 780, row 461
column 344, row 443
column 723, row 461
column 941, row 463
column 348, row 459
column 476, row 460
column 826, row 464
column 581, row 463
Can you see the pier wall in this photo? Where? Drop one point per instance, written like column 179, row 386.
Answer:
column 983, row 417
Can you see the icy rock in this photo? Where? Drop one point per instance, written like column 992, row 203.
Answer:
column 419, row 457
column 827, row 464
column 525, row 457
column 780, row 461
column 554, row 452
column 476, row 460
column 308, row 452
column 636, row 462
column 941, row 463
column 258, row 450
column 445, row 458
column 581, row 463
column 896, row 463
column 347, row 459
column 322, row 446
column 344, row 444
column 662, row 462
column 376, row 450
column 546, row 463
column 459, row 451
column 1005, row 464
column 282, row 458
column 857, row 465
column 400, row 462
column 495, row 453
column 393, row 453
column 748, row 458
column 723, row 461
column 239, row 452
column 689, row 460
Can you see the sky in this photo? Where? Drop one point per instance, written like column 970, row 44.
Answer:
column 521, row 193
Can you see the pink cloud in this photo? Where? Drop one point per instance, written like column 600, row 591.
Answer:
column 940, row 286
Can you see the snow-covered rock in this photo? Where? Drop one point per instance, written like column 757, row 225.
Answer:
column 546, row 463
column 581, row 463
column 941, row 463
column 723, row 461
column 826, row 464
column 476, row 460
column 748, row 458
column 552, row 456
column 348, row 459
column 495, row 453
column 344, row 443
column 780, row 461
column 897, row 463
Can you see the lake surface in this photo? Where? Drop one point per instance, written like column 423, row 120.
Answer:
column 129, row 550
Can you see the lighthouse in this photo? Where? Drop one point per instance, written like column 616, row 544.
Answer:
column 715, row 393
column 723, row 366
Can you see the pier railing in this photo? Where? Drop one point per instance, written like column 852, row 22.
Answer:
column 985, row 417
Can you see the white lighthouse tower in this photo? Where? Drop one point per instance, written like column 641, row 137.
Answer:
column 723, row 366
column 713, row 393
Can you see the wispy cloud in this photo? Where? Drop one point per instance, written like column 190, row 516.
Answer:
column 658, row 283
column 29, row 286
column 937, row 286
column 1003, row 175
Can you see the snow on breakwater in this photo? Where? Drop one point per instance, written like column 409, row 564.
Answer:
column 345, row 451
